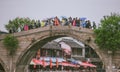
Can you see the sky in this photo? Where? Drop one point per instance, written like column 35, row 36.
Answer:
column 93, row 10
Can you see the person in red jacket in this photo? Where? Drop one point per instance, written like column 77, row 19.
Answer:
column 56, row 21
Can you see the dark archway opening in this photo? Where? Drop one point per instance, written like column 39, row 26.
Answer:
column 1, row 68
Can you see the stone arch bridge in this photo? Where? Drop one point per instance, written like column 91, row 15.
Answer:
column 30, row 41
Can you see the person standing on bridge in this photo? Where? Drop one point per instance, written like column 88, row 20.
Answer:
column 94, row 25
column 26, row 27
column 74, row 22
column 56, row 21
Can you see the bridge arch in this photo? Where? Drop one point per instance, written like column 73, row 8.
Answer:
column 50, row 33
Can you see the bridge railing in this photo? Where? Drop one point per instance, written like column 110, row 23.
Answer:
column 51, row 29
column 70, row 29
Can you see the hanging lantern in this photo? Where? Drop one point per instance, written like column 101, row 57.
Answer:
column 50, row 63
column 56, row 63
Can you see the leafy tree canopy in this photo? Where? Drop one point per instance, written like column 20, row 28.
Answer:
column 11, row 43
column 18, row 22
column 108, row 34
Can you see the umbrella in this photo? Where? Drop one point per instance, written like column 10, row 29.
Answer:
column 32, row 63
column 65, row 47
column 53, row 59
column 63, row 16
column 68, row 64
column 83, row 18
column 53, row 64
column 86, row 64
column 73, row 61
column 39, row 62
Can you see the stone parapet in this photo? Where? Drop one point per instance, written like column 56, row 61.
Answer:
column 31, row 40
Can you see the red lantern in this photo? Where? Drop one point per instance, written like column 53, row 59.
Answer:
column 56, row 62
column 43, row 61
column 50, row 63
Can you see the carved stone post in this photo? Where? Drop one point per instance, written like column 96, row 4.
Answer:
column 109, row 67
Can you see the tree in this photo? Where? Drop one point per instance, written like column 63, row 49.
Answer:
column 11, row 43
column 14, row 24
column 108, row 34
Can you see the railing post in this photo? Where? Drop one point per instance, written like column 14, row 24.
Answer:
column 109, row 67
column 69, row 29
column 50, row 30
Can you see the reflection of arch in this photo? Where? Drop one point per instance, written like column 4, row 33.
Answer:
column 3, row 67
column 30, row 52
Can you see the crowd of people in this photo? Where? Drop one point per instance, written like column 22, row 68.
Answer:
column 55, row 21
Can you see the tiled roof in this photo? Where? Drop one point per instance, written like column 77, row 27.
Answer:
column 52, row 45
column 71, row 43
column 55, row 45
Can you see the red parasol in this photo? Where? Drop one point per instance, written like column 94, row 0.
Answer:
column 40, row 62
column 86, row 64
column 37, row 61
column 68, row 64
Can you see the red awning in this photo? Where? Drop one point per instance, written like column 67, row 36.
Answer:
column 40, row 62
column 87, row 64
column 68, row 64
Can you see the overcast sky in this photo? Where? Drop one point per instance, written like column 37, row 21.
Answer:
column 94, row 10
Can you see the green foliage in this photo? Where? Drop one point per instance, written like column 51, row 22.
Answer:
column 108, row 35
column 11, row 43
column 18, row 22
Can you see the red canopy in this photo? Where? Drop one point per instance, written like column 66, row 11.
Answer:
column 40, row 62
column 87, row 64
column 68, row 64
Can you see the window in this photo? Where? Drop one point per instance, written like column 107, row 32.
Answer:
column 77, row 51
